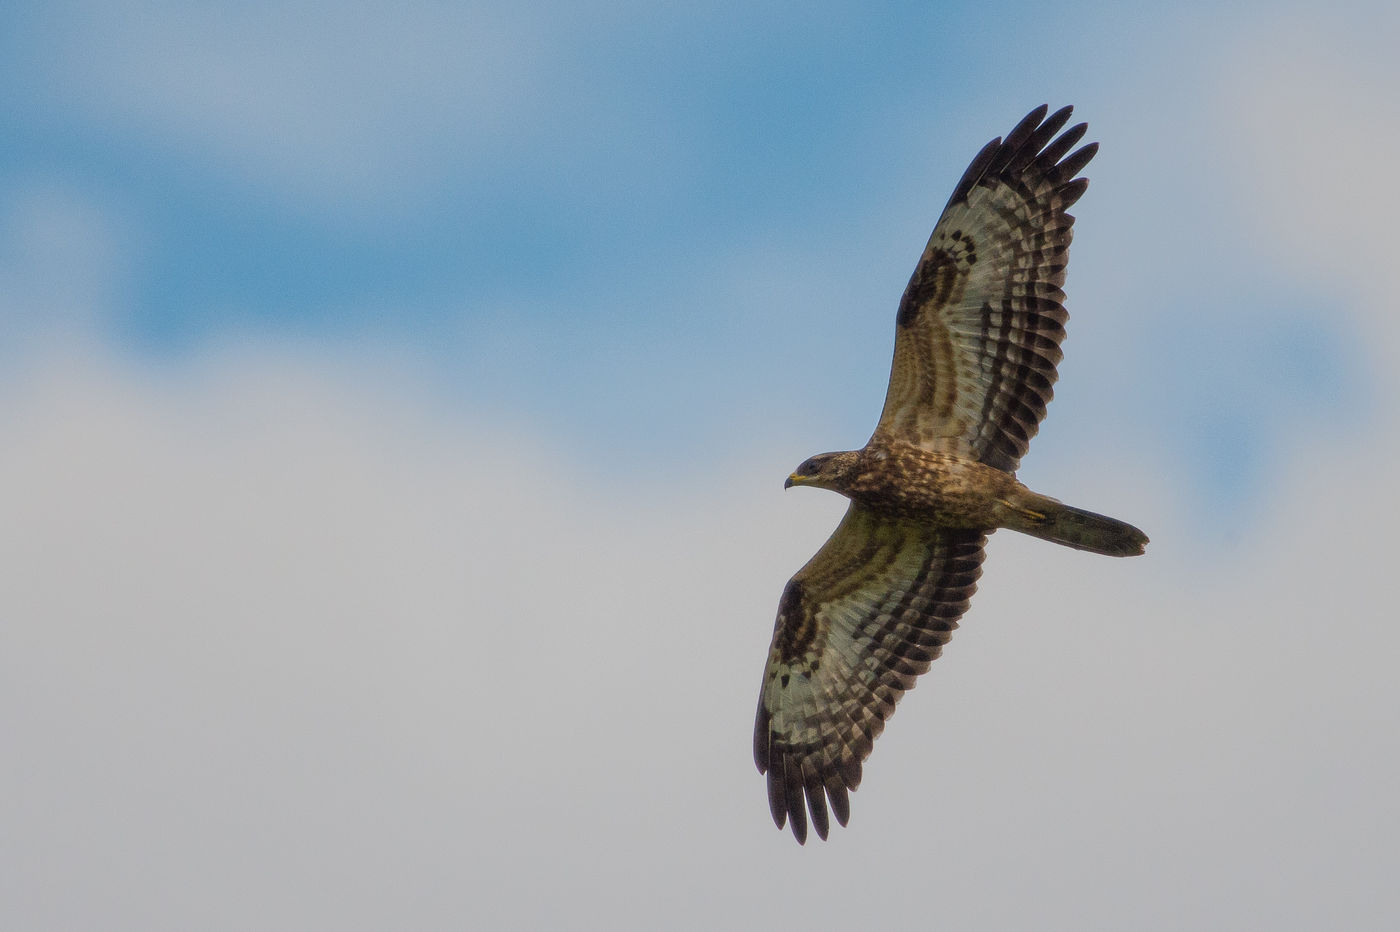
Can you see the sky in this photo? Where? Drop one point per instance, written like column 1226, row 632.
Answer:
column 394, row 408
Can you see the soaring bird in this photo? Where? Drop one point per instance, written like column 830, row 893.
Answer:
column 977, row 340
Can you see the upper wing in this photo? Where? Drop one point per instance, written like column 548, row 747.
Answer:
column 855, row 626
column 978, row 333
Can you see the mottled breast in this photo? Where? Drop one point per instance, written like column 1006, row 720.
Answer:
column 951, row 491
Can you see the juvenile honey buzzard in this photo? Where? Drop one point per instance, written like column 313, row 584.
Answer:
column 977, row 339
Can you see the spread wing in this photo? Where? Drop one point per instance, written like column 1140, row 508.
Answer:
column 855, row 626
column 978, row 333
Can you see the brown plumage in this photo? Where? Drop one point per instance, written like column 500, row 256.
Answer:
column 977, row 340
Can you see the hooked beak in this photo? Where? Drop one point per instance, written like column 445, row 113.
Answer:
column 792, row 480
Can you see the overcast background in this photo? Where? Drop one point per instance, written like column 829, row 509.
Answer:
column 394, row 407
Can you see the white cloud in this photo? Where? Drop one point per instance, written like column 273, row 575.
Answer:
column 284, row 648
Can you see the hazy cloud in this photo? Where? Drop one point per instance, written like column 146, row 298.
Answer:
column 1313, row 122
column 328, row 101
column 285, row 649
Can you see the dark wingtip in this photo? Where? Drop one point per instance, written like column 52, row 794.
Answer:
column 797, row 813
column 975, row 171
column 816, row 802
column 1071, row 192
column 1023, row 130
column 761, row 737
column 777, row 799
column 1075, row 162
column 1031, row 141
column 840, row 802
column 1060, row 117
column 796, row 804
column 1061, row 144
column 1035, row 142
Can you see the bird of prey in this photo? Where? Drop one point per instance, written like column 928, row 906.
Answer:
column 977, row 339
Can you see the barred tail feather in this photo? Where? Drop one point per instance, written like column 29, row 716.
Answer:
column 1082, row 530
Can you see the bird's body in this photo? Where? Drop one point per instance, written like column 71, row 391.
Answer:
column 901, row 480
column 977, row 343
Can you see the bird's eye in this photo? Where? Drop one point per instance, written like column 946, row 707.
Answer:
column 808, row 468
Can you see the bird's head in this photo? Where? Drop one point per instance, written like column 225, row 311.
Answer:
column 825, row 471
